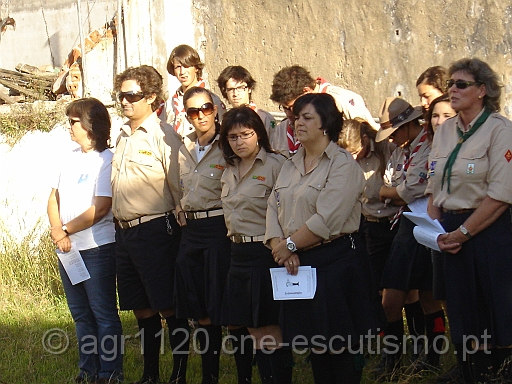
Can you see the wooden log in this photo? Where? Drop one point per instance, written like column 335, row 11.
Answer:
column 6, row 98
column 10, row 84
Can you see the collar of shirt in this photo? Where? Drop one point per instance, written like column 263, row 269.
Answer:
column 190, row 142
column 261, row 156
column 416, row 141
column 460, row 125
column 298, row 159
column 149, row 125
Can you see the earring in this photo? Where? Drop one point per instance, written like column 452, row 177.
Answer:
column 479, row 97
column 325, row 133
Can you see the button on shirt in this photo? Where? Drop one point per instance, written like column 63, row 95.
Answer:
column 372, row 206
column 483, row 166
column 200, row 180
column 410, row 185
column 245, row 200
column 145, row 173
column 326, row 199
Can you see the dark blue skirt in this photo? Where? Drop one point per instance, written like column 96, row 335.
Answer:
column 344, row 309
column 409, row 265
column 201, row 269
column 478, row 283
column 248, row 298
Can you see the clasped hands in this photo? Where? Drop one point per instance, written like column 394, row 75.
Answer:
column 60, row 239
column 283, row 256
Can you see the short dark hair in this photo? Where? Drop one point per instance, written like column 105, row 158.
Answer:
column 186, row 56
column 325, row 106
column 483, row 74
column 289, row 83
column 149, row 80
column 242, row 116
column 434, row 76
column 94, row 118
column 236, row 72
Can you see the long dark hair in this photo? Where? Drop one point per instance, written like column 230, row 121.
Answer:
column 242, row 117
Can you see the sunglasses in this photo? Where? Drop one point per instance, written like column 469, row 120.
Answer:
column 131, row 97
column 461, row 84
column 73, row 121
column 206, row 108
column 285, row 108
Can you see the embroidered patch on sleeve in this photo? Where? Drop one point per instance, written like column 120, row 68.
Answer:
column 508, row 156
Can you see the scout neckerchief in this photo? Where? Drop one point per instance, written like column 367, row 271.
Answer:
column 252, row 105
column 324, row 84
column 447, row 171
column 177, row 103
column 407, row 162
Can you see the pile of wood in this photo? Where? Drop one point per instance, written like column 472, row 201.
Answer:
column 29, row 82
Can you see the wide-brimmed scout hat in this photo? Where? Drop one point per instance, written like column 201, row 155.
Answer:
column 394, row 113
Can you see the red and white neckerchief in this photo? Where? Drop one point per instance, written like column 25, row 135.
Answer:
column 293, row 143
column 407, row 162
column 252, row 105
column 177, row 103
column 324, row 84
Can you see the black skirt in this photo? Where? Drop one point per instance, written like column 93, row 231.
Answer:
column 409, row 265
column 201, row 269
column 478, row 282
column 248, row 298
column 344, row 309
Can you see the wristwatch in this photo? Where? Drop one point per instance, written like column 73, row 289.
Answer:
column 65, row 229
column 465, row 232
column 291, row 245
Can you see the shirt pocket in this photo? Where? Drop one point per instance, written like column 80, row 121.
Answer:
column 313, row 191
column 257, row 191
column 144, row 160
column 225, row 191
column 473, row 165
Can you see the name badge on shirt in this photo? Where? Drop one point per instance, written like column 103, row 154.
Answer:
column 144, row 152
column 432, row 168
column 260, row 178
column 471, row 169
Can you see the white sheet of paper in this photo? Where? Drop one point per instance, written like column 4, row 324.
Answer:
column 419, row 205
column 74, row 265
column 424, row 220
column 426, row 237
column 289, row 287
column 426, row 230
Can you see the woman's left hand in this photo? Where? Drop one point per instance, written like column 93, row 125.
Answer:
column 292, row 264
column 64, row 244
column 57, row 234
column 451, row 242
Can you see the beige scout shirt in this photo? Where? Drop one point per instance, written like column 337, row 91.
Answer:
column 279, row 140
column 410, row 186
column 483, row 166
column 244, row 200
column 145, row 172
column 325, row 199
column 351, row 104
column 200, row 181
column 372, row 206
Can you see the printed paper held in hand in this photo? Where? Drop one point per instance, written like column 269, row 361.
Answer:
column 290, row 287
column 74, row 265
column 427, row 230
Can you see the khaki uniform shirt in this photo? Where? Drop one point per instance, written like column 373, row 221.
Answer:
column 410, row 185
column 276, row 133
column 372, row 206
column 326, row 199
column 483, row 166
column 200, row 181
column 245, row 200
column 145, row 171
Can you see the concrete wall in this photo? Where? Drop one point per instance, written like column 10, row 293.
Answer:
column 374, row 47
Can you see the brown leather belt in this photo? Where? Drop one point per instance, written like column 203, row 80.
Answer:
column 324, row 242
column 204, row 214
column 372, row 219
column 238, row 239
column 457, row 211
column 140, row 220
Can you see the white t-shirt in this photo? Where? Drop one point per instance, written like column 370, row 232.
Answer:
column 82, row 177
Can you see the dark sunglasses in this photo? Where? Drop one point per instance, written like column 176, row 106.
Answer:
column 461, row 84
column 285, row 108
column 206, row 108
column 72, row 121
column 131, row 97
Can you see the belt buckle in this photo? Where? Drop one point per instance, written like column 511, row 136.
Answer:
column 237, row 239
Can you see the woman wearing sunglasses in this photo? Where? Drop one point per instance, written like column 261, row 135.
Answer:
column 79, row 209
column 203, row 258
column 249, row 306
column 470, row 189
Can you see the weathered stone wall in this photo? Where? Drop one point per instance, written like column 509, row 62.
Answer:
column 377, row 48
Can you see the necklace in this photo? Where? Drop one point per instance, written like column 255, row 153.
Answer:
column 313, row 160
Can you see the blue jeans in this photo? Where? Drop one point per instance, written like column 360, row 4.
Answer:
column 93, row 306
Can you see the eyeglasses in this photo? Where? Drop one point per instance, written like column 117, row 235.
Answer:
column 206, row 108
column 239, row 89
column 243, row 136
column 285, row 108
column 461, row 84
column 131, row 97
column 72, row 121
